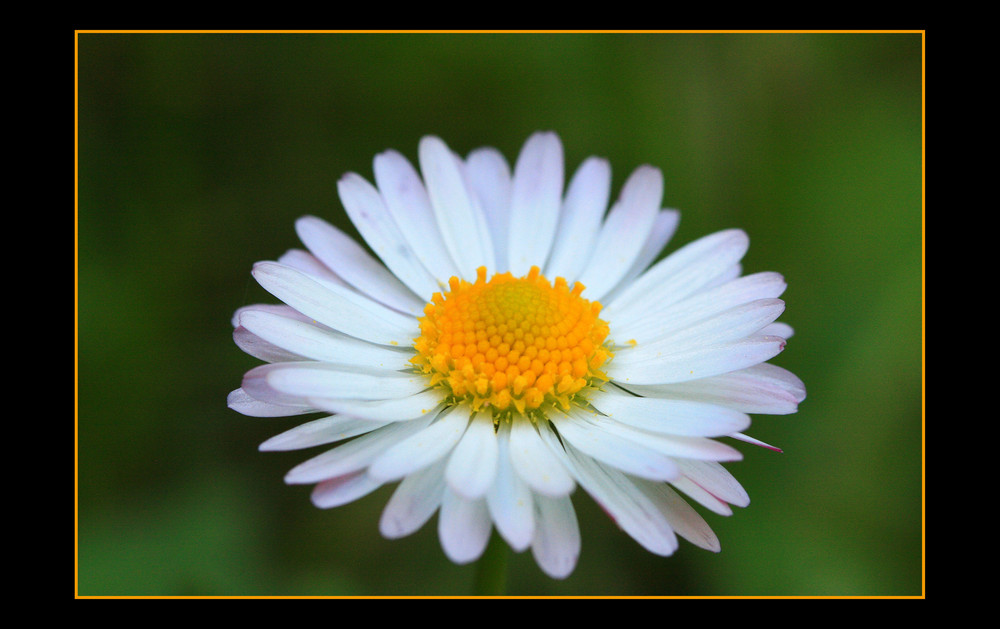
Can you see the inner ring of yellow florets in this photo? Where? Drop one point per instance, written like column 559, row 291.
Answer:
column 512, row 343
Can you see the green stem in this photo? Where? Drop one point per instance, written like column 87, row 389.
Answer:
column 491, row 570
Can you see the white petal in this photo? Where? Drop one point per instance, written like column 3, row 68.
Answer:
column 407, row 201
column 241, row 402
column 459, row 216
column 336, row 307
column 591, row 438
column 342, row 490
column 256, row 386
column 783, row 330
column 534, row 461
column 679, row 275
column 313, row 342
column 752, row 441
column 394, row 410
column 413, row 503
column 779, row 377
column 653, row 321
column 353, row 455
column 624, row 232
column 697, row 493
column 662, row 231
column 278, row 309
column 367, row 211
column 261, row 349
column 730, row 326
column 323, row 380
column 463, row 527
column 580, row 219
column 672, row 446
column 556, row 546
column 316, row 380
column 423, row 448
column 536, row 194
column 472, row 466
column 510, row 500
column 702, row 362
column 762, row 388
column 717, row 480
column 354, row 265
column 630, row 508
column 489, row 176
column 679, row 417
column 685, row 521
column 730, row 274
column 312, row 266
column 319, row 432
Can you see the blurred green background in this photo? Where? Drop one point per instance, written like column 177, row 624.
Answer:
column 197, row 152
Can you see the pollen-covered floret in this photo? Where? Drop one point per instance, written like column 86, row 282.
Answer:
column 512, row 343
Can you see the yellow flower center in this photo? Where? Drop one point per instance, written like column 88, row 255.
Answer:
column 512, row 343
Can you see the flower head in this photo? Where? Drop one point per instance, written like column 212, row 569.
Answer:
column 511, row 341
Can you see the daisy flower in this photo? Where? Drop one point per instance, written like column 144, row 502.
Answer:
column 509, row 341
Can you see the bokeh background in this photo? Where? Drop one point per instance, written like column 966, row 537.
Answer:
column 197, row 152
